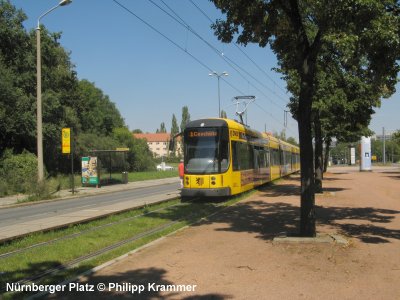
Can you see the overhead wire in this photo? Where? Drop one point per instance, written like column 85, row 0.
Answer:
column 229, row 61
column 163, row 35
column 182, row 49
column 241, row 50
column 220, row 54
column 244, row 53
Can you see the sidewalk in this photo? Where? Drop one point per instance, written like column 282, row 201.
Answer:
column 232, row 254
column 87, row 191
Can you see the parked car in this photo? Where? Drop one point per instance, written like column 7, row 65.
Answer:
column 164, row 167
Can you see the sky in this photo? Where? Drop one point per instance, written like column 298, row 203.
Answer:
column 151, row 66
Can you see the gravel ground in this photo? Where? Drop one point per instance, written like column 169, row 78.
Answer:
column 232, row 255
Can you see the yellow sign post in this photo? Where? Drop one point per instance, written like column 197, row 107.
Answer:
column 66, row 141
column 66, row 149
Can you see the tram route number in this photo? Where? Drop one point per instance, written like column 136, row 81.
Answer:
column 237, row 135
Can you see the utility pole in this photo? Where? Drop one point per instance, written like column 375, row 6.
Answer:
column 39, row 125
column 218, row 75
column 384, row 146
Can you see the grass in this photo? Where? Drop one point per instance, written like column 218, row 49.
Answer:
column 64, row 181
column 139, row 176
column 61, row 182
column 36, row 260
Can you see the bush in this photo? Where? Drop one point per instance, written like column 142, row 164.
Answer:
column 19, row 173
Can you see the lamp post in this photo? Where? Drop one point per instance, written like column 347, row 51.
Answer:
column 39, row 92
column 219, row 97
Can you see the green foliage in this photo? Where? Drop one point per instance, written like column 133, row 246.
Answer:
column 19, row 172
column 292, row 140
column 67, row 101
column 185, row 117
column 396, row 137
column 223, row 114
column 162, row 129
column 355, row 44
column 392, row 150
column 174, row 129
column 282, row 136
column 139, row 156
column 96, row 112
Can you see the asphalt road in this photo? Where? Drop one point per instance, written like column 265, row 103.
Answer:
column 16, row 215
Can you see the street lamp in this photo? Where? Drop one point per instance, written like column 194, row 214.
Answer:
column 39, row 92
column 219, row 97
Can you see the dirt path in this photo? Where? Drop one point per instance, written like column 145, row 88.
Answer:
column 232, row 255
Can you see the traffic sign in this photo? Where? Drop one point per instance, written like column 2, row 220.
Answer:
column 66, row 140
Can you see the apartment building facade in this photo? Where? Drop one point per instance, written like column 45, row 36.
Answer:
column 159, row 143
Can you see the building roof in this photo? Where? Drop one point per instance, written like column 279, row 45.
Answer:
column 153, row 137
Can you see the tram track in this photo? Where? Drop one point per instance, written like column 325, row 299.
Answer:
column 77, row 261
column 206, row 211
column 77, row 234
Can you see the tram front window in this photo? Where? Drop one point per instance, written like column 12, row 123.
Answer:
column 206, row 150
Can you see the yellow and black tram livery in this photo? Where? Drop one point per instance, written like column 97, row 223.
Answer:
column 223, row 157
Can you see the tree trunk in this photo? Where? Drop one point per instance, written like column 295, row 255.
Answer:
column 307, row 54
column 326, row 156
column 318, row 165
column 307, row 210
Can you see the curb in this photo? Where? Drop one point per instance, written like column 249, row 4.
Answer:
column 84, row 194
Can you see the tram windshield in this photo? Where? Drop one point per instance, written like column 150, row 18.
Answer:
column 206, row 150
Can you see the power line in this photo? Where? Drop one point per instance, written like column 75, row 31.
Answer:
column 229, row 61
column 244, row 53
column 185, row 51
column 247, row 56
column 163, row 35
column 265, row 111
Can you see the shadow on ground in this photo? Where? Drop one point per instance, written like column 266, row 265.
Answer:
column 128, row 285
column 269, row 219
column 134, row 279
column 392, row 175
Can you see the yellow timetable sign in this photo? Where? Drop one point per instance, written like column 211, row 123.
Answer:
column 66, row 140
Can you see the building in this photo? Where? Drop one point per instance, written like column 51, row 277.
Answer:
column 159, row 143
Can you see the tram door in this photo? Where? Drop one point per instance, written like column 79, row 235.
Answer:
column 256, row 156
column 261, row 164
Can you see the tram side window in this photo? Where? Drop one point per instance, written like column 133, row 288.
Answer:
column 267, row 158
column 263, row 158
column 288, row 158
column 242, row 156
column 275, row 157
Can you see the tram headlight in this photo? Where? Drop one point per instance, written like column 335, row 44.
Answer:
column 213, row 180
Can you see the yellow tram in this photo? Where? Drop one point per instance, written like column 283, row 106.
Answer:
column 223, row 157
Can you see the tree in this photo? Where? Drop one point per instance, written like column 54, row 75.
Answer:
column 67, row 101
column 139, row 157
column 341, row 109
column 162, row 128
column 174, row 130
column 185, row 117
column 96, row 111
column 362, row 33
column 292, row 140
column 223, row 114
